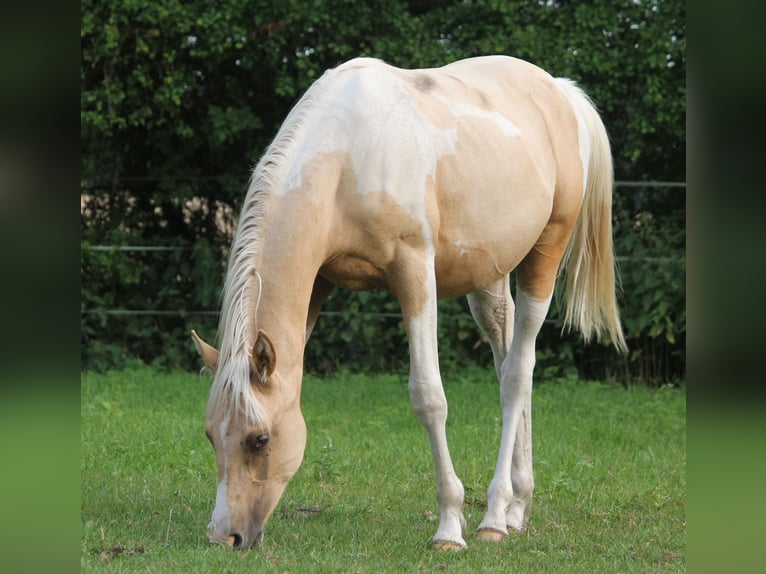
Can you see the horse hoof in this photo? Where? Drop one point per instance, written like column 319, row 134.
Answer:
column 491, row 534
column 448, row 545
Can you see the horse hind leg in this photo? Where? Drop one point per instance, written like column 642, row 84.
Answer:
column 510, row 493
column 511, row 488
column 492, row 309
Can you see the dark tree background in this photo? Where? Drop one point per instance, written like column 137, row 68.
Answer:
column 179, row 100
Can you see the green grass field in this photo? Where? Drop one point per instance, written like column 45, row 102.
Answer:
column 610, row 468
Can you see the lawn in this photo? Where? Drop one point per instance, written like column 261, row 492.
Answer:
column 610, row 468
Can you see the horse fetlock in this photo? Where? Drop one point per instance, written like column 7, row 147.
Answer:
column 518, row 514
column 515, row 518
column 449, row 535
column 495, row 517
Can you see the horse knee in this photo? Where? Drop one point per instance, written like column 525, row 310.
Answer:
column 428, row 401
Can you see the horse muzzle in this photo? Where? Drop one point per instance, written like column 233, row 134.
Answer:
column 233, row 539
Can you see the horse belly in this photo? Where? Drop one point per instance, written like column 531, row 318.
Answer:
column 466, row 262
column 354, row 272
column 486, row 229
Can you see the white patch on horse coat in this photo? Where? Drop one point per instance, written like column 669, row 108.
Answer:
column 218, row 529
column 459, row 246
column 584, row 145
column 430, row 405
column 508, row 128
column 218, row 525
column 376, row 142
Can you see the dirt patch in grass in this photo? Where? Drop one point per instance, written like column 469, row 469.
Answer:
column 111, row 553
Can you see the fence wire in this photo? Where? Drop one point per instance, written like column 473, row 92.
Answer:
column 202, row 312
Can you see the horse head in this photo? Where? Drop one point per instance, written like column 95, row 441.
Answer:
column 257, row 450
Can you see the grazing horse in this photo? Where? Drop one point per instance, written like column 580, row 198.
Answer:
column 429, row 183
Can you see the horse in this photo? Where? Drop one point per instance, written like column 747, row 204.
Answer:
column 429, row 183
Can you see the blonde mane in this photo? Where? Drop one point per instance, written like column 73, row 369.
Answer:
column 231, row 387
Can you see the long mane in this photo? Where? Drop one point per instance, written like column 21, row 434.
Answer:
column 231, row 387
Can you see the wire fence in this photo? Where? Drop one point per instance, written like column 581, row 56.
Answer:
column 204, row 312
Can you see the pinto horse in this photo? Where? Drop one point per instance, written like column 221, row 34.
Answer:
column 429, row 183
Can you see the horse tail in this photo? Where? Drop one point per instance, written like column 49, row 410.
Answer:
column 588, row 264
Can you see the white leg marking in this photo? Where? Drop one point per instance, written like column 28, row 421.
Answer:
column 430, row 404
column 522, row 476
column 509, row 495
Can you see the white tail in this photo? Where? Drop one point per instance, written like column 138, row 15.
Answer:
column 588, row 264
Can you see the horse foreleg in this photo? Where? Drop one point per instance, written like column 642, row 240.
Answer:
column 416, row 292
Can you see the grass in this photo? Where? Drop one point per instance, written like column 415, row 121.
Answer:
column 610, row 468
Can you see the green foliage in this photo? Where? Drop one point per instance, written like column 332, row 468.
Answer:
column 650, row 228
column 147, row 282
column 358, row 329
column 179, row 99
column 609, row 472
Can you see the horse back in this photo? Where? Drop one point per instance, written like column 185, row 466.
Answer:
column 467, row 163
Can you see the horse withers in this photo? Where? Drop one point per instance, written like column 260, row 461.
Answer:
column 429, row 183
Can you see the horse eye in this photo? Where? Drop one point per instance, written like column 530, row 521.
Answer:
column 257, row 442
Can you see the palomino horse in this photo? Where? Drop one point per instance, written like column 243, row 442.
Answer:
column 428, row 183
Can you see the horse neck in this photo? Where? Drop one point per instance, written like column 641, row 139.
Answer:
column 290, row 257
column 292, row 219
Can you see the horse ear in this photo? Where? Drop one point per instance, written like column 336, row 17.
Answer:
column 264, row 357
column 208, row 353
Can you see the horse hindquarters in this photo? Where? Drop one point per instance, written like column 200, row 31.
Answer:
column 578, row 239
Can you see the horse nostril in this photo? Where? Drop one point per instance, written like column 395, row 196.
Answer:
column 237, row 539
